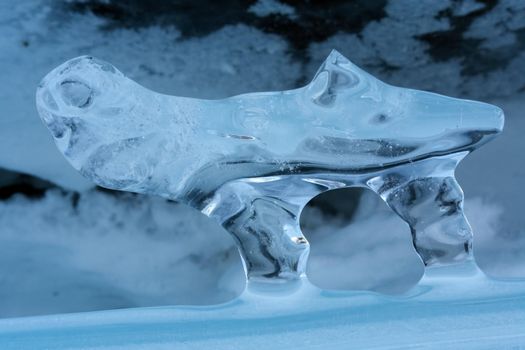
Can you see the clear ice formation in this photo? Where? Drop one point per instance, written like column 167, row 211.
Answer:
column 253, row 161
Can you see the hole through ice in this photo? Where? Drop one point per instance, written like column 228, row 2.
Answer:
column 361, row 242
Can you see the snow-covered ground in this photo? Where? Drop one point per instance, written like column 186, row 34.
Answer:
column 94, row 250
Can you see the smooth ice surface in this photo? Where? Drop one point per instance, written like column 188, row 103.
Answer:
column 253, row 161
column 448, row 310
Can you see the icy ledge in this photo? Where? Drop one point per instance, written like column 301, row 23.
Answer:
column 448, row 310
column 252, row 162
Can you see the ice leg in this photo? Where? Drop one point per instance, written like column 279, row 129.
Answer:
column 433, row 208
column 426, row 195
column 265, row 227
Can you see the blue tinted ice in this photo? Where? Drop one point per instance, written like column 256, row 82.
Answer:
column 253, row 161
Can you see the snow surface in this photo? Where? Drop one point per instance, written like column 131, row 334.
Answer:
column 109, row 252
column 450, row 308
column 264, row 8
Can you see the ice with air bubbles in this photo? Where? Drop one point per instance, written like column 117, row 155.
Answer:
column 253, row 161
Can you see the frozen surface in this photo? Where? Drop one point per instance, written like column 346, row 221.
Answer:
column 448, row 309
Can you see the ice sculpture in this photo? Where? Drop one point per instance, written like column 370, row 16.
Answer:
column 253, row 161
